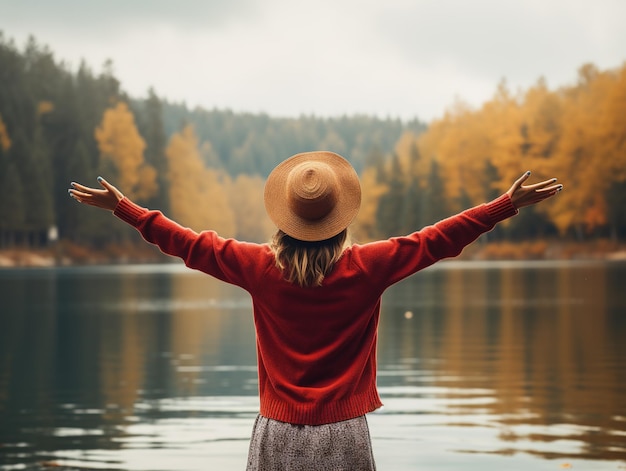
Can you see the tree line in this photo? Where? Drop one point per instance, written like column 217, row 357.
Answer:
column 206, row 168
column 576, row 133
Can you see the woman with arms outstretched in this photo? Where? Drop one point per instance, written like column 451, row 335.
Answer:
column 316, row 299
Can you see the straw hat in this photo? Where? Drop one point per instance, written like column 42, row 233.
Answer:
column 313, row 196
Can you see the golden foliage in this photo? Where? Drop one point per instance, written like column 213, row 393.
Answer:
column 364, row 226
column 44, row 107
column 591, row 151
column 197, row 194
column 244, row 195
column 146, row 182
column 576, row 133
column 405, row 149
column 5, row 140
column 121, row 144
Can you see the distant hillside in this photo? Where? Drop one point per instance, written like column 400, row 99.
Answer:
column 255, row 143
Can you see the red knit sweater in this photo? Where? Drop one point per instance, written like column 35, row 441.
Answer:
column 316, row 347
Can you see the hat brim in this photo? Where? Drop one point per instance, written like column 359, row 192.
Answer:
column 338, row 219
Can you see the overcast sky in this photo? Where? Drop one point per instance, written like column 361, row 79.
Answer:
column 397, row 58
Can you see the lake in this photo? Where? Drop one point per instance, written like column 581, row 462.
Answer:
column 508, row 365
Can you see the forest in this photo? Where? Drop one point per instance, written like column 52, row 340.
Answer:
column 206, row 168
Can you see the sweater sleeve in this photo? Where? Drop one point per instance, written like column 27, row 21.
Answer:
column 391, row 260
column 226, row 259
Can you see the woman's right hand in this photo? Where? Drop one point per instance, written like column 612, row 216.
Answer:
column 107, row 198
column 525, row 195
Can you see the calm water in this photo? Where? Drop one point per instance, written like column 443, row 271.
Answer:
column 482, row 366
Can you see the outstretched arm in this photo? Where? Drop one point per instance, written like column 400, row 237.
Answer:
column 526, row 195
column 226, row 259
column 105, row 198
column 396, row 258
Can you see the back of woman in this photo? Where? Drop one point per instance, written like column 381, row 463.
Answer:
column 316, row 299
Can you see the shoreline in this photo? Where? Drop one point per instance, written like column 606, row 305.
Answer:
column 67, row 255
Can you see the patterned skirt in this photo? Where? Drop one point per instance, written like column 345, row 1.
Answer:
column 279, row 446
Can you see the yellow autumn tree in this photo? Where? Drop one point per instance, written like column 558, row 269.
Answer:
column 364, row 227
column 582, row 159
column 405, row 150
column 5, row 140
column 198, row 198
column 502, row 124
column 575, row 133
column 462, row 146
column 542, row 122
column 44, row 107
column 245, row 194
column 121, row 146
column 613, row 135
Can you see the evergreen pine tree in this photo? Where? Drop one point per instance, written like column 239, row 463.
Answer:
column 151, row 127
column 12, row 209
column 391, row 207
column 39, row 214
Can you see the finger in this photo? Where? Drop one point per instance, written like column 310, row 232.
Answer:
column 83, row 188
column 522, row 179
column 80, row 194
column 546, row 193
column 105, row 184
column 540, row 185
column 74, row 196
column 553, row 190
column 550, row 188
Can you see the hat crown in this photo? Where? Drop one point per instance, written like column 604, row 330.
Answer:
column 312, row 190
column 312, row 196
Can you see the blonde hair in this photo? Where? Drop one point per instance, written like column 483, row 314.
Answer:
column 307, row 263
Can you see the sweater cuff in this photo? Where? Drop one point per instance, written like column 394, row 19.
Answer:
column 128, row 211
column 501, row 208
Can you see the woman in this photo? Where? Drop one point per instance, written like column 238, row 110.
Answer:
column 316, row 299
